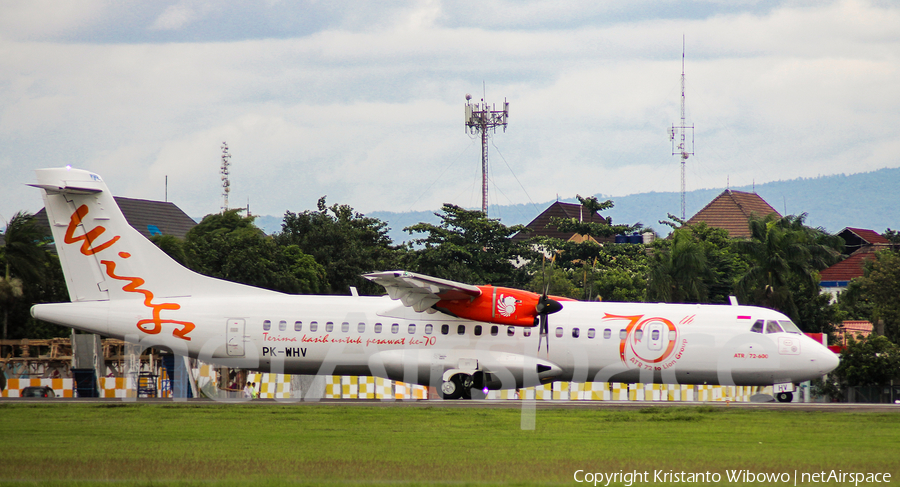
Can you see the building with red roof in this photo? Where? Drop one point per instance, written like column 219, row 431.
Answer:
column 861, row 244
column 731, row 211
column 541, row 226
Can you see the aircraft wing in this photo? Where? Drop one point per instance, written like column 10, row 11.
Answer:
column 421, row 292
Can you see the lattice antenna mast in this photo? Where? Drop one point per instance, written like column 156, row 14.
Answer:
column 226, row 183
column 480, row 119
column 680, row 132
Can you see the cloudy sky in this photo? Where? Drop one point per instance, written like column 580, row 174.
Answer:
column 363, row 101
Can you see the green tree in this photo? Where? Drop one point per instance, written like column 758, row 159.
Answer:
column 620, row 273
column 172, row 246
column 23, row 257
column 679, row 271
column 30, row 275
column 881, row 286
column 591, row 228
column 853, row 303
column 893, row 236
column 348, row 244
column 556, row 281
column 784, row 256
column 468, row 247
column 228, row 246
column 590, row 264
column 868, row 361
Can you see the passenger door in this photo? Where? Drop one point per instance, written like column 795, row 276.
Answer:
column 234, row 337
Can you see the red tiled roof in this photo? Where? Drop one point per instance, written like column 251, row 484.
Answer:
column 869, row 236
column 540, row 226
column 846, row 269
column 856, row 325
column 731, row 211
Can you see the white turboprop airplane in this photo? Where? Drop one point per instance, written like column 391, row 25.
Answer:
column 455, row 336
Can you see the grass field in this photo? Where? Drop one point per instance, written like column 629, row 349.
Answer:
column 241, row 444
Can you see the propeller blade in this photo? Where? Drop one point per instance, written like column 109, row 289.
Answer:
column 546, row 306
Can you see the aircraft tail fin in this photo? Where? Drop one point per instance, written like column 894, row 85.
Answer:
column 102, row 256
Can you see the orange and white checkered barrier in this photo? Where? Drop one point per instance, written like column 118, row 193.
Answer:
column 112, row 387
column 61, row 387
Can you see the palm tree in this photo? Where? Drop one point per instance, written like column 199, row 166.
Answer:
column 783, row 252
column 24, row 257
column 679, row 273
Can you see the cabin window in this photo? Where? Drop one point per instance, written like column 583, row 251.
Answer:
column 559, row 332
column 282, row 325
column 267, row 325
column 361, row 328
column 494, row 330
column 575, row 333
column 623, row 334
column 607, row 334
column 654, row 335
column 412, row 329
column 511, row 331
column 773, row 327
column 395, row 328
column 592, row 333
column 757, row 327
column 428, row 329
column 329, row 326
column 313, row 326
column 526, row 332
column 377, row 327
column 298, row 326
column 445, row 329
column 345, row 327
column 477, row 330
column 461, row 330
column 638, row 334
column 673, row 335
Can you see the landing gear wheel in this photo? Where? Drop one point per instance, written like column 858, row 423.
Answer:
column 784, row 396
column 452, row 389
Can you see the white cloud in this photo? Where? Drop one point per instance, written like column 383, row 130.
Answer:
column 370, row 113
column 175, row 17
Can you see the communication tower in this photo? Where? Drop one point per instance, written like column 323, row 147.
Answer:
column 480, row 119
column 226, row 184
column 678, row 135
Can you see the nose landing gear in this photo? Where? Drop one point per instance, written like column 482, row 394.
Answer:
column 459, row 386
column 784, row 396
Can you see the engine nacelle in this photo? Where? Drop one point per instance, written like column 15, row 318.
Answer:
column 500, row 305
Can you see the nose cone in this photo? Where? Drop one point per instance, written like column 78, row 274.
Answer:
column 829, row 360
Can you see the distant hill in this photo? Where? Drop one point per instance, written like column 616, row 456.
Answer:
column 864, row 200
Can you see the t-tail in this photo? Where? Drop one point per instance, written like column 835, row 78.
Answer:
column 102, row 256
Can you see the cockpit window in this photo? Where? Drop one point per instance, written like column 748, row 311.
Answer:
column 790, row 327
column 757, row 327
column 773, row 327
